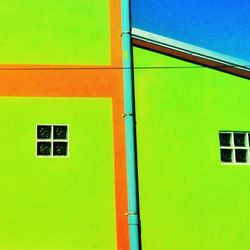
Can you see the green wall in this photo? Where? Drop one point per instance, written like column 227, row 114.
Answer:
column 57, row 203
column 55, row 32
column 188, row 199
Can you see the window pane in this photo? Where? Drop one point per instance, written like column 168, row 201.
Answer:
column 241, row 155
column 43, row 148
column 43, row 132
column 240, row 139
column 60, row 148
column 226, row 155
column 225, row 139
column 60, row 132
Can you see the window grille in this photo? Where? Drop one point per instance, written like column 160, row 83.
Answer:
column 234, row 147
column 52, row 140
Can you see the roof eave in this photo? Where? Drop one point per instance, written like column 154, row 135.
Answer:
column 189, row 53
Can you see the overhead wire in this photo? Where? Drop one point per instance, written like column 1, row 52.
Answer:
column 246, row 67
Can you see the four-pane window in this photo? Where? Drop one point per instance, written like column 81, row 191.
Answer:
column 234, row 147
column 52, row 140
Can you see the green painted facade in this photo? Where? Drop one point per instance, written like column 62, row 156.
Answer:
column 188, row 199
column 55, row 32
column 57, row 203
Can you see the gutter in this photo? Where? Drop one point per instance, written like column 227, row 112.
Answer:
column 190, row 53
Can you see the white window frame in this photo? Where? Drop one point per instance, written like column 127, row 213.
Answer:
column 52, row 140
column 233, row 148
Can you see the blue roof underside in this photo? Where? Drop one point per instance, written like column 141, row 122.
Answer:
column 216, row 25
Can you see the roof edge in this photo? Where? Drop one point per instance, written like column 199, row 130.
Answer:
column 189, row 53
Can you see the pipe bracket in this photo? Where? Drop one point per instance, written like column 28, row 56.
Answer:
column 125, row 33
column 127, row 114
column 133, row 218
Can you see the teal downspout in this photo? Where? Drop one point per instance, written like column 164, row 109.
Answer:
column 133, row 208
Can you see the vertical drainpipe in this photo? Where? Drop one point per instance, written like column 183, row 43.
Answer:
column 133, row 208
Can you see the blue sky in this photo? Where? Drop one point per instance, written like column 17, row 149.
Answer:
column 219, row 25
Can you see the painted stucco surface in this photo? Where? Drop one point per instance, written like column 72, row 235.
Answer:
column 188, row 199
column 55, row 32
column 57, row 203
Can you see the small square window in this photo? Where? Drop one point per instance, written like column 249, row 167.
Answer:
column 43, row 148
column 43, row 132
column 52, row 140
column 235, row 147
